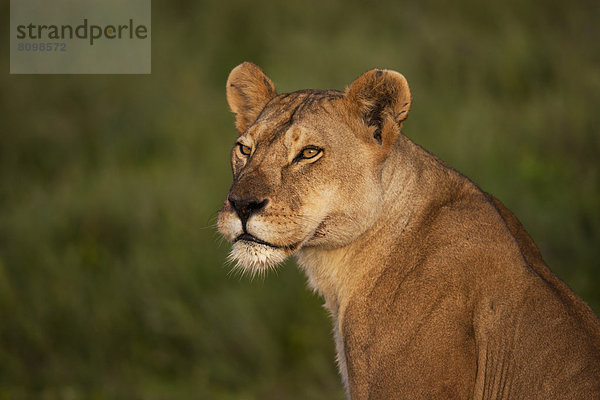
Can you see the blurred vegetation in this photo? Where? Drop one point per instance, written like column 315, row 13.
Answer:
column 113, row 283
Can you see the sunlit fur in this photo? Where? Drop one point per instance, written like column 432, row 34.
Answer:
column 434, row 288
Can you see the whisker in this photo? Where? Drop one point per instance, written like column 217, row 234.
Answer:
column 213, row 221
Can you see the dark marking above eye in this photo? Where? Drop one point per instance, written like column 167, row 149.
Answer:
column 295, row 135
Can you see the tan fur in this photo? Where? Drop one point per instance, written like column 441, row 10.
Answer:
column 435, row 289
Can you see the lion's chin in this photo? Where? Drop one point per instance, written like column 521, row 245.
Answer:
column 255, row 258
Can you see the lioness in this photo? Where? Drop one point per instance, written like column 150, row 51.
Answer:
column 435, row 289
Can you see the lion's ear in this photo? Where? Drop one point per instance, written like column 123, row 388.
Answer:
column 248, row 91
column 382, row 99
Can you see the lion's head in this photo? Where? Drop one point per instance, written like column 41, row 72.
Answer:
column 307, row 165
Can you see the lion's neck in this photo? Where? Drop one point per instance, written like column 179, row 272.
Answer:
column 413, row 182
column 336, row 274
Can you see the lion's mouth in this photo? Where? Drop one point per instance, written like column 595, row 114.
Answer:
column 249, row 238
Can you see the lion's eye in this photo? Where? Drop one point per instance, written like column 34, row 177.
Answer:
column 308, row 152
column 245, row 150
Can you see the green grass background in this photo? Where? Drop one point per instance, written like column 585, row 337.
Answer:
column 113, row 283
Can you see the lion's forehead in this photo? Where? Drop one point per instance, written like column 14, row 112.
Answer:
column 290, row 109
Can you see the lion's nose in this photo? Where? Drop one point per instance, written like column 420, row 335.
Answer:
column 244, row 208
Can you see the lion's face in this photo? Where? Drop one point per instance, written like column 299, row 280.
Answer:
column 306, row 170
